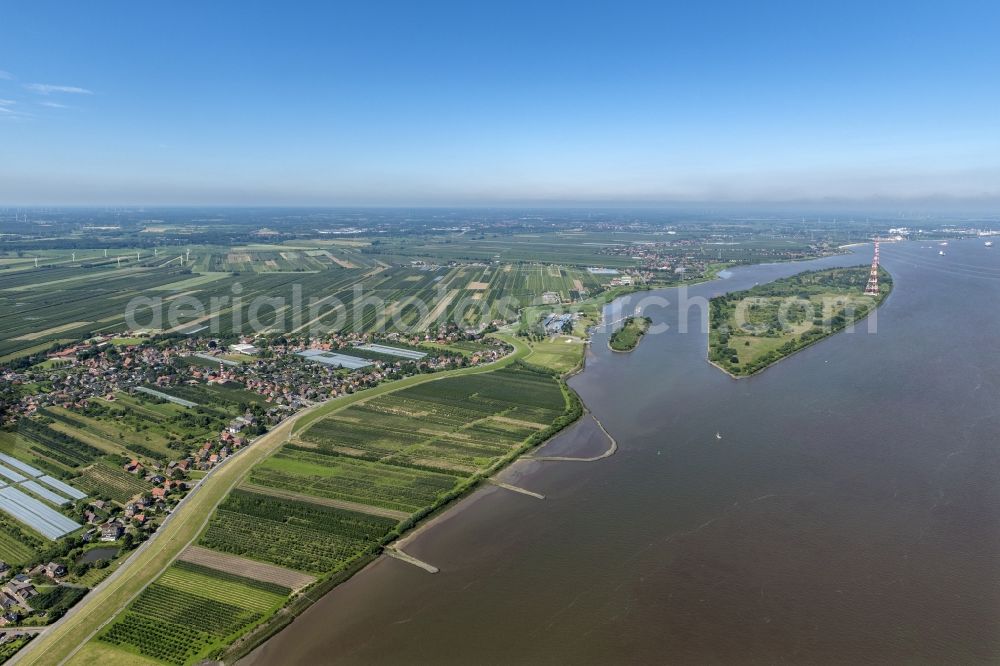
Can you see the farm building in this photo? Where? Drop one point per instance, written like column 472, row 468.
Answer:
column 111, row 531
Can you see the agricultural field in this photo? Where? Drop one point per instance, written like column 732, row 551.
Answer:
column 467, row 276
column 13, row 444
column 128, row 428
column 334, row 476
column 69, row 302
column 459, row 424
column 464, row 347
column 191, row 611
column 91, row 443
column 55, row 444
column 752, row 329
column 224, row 564
column 473, row 294
column 134, row 425
column 295, row 534
column 18, row 545
column 565, row 247
column 265, row 258
column 339, row 490
column 480, row 416
column 280, row 514
column 105, row 481
column 218, row 398
column 62, row 301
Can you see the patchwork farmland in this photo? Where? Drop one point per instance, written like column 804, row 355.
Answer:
column 342, row 477
column 333, row 496
column 190, row 611
column 458, row 425
column 63, row 300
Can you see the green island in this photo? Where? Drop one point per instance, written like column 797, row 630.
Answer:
column 751, row 330
column 627, row 338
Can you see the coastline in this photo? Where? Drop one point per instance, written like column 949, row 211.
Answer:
column 464, row 497
column 449, row 505
column 242, row 651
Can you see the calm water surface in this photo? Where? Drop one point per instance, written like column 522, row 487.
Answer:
column 850, row 512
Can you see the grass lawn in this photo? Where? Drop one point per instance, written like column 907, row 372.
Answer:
column 108, row 655
column 124, row 342
column 562, row 353
column 50, row 363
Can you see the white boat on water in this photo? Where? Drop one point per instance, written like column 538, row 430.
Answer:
column 941, row 252
column 988, row 243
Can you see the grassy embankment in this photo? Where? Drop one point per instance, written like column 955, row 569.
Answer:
column 753, row 329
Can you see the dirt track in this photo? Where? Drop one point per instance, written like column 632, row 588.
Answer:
column 241, row 566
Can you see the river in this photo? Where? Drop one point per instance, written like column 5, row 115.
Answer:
column 847, row 512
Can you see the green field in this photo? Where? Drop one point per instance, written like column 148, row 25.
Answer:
column 408, row 450
column 64, row 441
column 561, row 353
column 103, row 480
column 18, row 545
column 295, row 534
column 334, row 476
column 57, row 445
column 461, row 424
column 574, row 248
column 752, row 329
column 63, row 301
column 191, row 612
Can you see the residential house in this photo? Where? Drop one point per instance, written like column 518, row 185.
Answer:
column 20, row 589
column 111, row 531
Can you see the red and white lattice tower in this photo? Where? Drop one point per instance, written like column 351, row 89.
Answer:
column 872, row 288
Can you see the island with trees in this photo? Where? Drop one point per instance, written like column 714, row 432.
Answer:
column 753, row 329
column 626, row 338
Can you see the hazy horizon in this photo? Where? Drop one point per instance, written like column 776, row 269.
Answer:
column 516, row 105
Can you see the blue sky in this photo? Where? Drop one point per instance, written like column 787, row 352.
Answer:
column 462, row 103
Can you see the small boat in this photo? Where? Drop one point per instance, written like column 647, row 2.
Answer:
column 718, row 435
column 943, row 244
column 988, row 243
column 941, row 252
